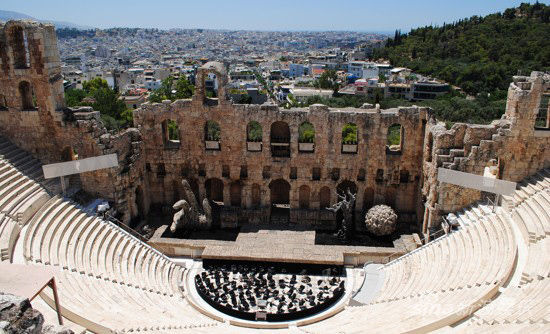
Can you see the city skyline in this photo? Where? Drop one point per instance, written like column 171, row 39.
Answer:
column 248, row 15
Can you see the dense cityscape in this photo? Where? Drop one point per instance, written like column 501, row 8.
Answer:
column 279, row 170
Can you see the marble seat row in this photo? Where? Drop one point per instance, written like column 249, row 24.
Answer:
column 473, row 267
column 104, row 306
column 21, row 193
column 524, row 303
column 478, row 254
column 61, row 234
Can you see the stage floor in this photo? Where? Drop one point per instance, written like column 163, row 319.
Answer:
column 273, row 245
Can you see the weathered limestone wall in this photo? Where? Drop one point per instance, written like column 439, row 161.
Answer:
column 37, row 121
column 512, row 142
column 168, row 162
column 27, row 126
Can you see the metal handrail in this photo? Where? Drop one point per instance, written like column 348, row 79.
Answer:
column 16, row 218
column 414, row 250
column 133, row 234
column 493, row 203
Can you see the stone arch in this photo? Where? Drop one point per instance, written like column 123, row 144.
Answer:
column 235, row 191
column 20, row 47
column 212, row 69
column 254, row 132
column 390, row 196
column 170, row 132
column 256, row 195
column 27, row 96
column 280, row 133
column 303, row 197
column 280, row 139
column 429, row 147
column 140, row 202
column 368, row 199
column 394, row 137
column 343, row 187
column 324, row 197
column 214, row 189
column 68, row 154
column 280, row 192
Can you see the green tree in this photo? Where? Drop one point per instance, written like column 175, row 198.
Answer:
column 306, row 133
column 74, row 97
column 254, row 132
column 213, row 131
column 349, row 134
column 327, row 80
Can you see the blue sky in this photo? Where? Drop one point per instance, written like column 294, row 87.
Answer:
column 358, row 15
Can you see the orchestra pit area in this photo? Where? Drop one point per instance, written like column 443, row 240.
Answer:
column 269, row 291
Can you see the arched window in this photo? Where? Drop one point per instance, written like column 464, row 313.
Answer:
column 139, row 202
column 235, row 194
column 20, row 48
column 214, row 189
column 256, row 194
column 69, row 154
column 394, row 138
column 211, row 85
column 254, row 135
column 368, row 199
column 429, row 148
column 324, row 198
column 171, row 134
column 280, row 192
column 3, row 103
column 306, row 137
column 212, row 135
column 349, row 138
column 28, row 100
column 303, row 197
column 280, row 139
column 254, row 132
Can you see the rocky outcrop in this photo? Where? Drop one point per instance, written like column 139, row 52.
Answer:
column 18, row 316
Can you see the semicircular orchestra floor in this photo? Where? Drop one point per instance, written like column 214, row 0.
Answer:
column 272, row 292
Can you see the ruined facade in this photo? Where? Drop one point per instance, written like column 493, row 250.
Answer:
column 278, row 169
column 34, row 117
column 518, row 143
column 208, row 142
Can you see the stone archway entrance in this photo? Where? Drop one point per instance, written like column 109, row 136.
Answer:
column 280, row 201
column 214, row 190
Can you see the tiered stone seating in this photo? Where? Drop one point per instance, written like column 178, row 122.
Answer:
column 20, row 193
column 61, row 234
column 525, row 303
column 108, row 279
column 102, row 305
column 480, row 254
column 436, row 284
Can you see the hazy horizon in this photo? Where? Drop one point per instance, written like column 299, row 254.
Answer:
column 306, row 15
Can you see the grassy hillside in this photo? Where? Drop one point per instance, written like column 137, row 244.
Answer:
column 479, row 54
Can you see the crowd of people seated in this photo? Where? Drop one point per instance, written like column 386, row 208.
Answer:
column 252, row 288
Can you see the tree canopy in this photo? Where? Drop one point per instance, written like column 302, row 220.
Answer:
column 478, row 54
column 97, row 94
column 172, row 89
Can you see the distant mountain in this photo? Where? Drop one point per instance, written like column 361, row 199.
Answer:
column 8, row 15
